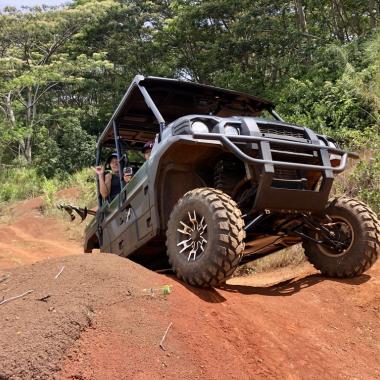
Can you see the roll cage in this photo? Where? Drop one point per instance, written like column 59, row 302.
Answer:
column 151, row 103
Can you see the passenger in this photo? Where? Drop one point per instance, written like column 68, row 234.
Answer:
column 147, row 150
column 109, row 180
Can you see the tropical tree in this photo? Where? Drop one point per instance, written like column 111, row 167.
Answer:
column 37, row 67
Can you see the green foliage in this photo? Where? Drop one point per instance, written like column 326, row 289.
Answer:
column 366, row 140
column 370, row 76
column 49, row 189
column 40, row 71
column 63, row 71
column 366, row 182
column 337, row 105
column 84, row 181
column 363, row 182
column 25, row 182
column 20, row 183
column 66, row 151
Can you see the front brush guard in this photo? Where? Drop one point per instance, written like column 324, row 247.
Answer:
column 284, row 199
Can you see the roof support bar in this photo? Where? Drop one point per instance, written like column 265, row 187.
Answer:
column 276, row 115
column 120, row 158
column 150, row 103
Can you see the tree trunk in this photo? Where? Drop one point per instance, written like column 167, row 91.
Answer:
column 339, row 33
column 28, row 149
column 30, row 111
column 372, row 13
column 9, row 110
column 301, row 16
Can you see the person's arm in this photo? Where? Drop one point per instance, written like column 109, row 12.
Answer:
column 104, row 181
column 105, row 185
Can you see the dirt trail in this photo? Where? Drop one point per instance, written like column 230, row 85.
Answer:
column 95, row 322
column 29, row 237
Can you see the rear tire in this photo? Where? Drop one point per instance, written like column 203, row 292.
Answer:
column 361, row 233
column 205, row 237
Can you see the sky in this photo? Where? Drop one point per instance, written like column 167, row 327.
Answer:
column 29, row 3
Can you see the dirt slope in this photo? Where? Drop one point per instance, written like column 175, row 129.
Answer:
column 308, row 329
column 95, row 322
column 26, row 236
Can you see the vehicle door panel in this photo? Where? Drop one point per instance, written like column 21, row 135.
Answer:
column 132, row 223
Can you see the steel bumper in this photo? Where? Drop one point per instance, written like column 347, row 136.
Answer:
column 230, row 143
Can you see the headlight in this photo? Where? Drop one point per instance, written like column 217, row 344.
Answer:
column 199, row 127
column 334, row 158
column 230, row 130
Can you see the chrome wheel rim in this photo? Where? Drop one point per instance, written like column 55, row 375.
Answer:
column 192, row 235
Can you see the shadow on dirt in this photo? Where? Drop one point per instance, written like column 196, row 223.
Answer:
column 286, row 288
column 210, row 295
column 290, row 287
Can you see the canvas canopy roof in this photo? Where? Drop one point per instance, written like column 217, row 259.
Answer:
column 169, row 99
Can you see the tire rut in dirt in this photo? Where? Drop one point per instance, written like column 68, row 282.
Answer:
column 225, row 232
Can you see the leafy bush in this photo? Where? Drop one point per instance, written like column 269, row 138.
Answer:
column 84, row 181
column 363, row 182
column 366, row 140
column 367, row 178
column 336, row 106
column 70, row 149
column 49, row 189
column 23, row 183
column 342, row 102
column 19, row 183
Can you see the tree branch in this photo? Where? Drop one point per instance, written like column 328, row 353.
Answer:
column 43, row 92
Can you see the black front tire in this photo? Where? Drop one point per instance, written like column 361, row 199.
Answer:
column 213, row 241
column 363, row 248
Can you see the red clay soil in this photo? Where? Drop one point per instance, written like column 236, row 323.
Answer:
column 95, row 322
column 31, row 237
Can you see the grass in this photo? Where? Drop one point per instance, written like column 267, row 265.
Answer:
column 291, row 256
column 18, row 184
column 24, row 183
column 362, row 180
column 84, row 196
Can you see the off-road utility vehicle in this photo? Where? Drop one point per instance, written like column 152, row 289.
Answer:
column 227, row 181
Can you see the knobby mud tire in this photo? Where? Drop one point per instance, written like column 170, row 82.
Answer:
column 364, row 249
column 225, row 238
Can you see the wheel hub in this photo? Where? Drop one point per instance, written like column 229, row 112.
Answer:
column 195, row 235
column 192, row 235
column 341, row 237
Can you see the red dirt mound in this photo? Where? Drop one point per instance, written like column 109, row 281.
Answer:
column 94, row 321
column 39, row 328
column 309, row 328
